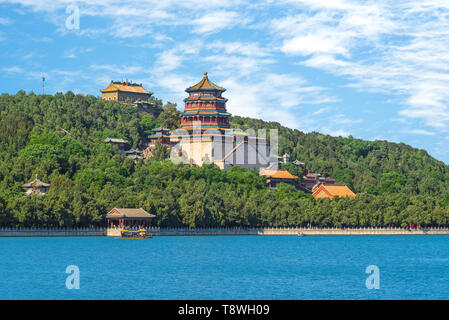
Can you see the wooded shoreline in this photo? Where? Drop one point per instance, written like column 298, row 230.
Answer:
column 61, row 138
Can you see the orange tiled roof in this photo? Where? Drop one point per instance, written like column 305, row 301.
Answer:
column 277, row 174
column 125, row 87
column 332, row 191
column 205, row 84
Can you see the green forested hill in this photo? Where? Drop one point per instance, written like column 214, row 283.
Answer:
column 61, row 137
column 376, row 167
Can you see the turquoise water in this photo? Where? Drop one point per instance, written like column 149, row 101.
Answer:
column 235, row 267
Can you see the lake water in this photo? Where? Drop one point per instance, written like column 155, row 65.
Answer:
column 233, row 267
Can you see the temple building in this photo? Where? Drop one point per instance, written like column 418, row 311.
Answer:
column 133, row 154
column 128, row 217
column 162, row 135
column 299, row 164
column 205, row 134
column 120, row 143
column 330, row 191
column 125, row 91
column 274, row 177
column 206, row 105
column 310, row 180
column 36, row 187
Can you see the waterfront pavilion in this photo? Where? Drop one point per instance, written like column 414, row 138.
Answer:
column 128, row 217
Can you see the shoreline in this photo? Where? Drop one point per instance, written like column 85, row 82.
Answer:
column 115, row 232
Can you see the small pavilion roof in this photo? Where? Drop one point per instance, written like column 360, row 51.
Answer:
column 36, row 183
column 161, row 129
column 133, row 151
column 277, row 174
column 312, row 175
column 115, row 140
column 133, row 213
column 205, row 84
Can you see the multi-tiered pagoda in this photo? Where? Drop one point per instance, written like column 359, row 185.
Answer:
column 205, row 134
column 206, row 105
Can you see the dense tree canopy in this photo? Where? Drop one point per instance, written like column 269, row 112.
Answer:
column 61, row 138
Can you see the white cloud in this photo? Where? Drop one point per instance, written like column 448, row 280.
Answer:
column 216, row 21
column 420, row 132
column 118, row 70
column 5, row 21
column 14, row 69
column 314, row 43
column 272, row 97
column 396, row 47
column 173, row 85
column 70, row 54
column 171, row 59
column 130, row 19
column 321, row 111
column 334, row 132
column 239, row 48
column 168, row 61
column 229, row 65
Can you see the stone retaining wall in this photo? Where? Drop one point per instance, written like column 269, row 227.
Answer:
column 286, row 231
column 52, row 232
column 115, row 232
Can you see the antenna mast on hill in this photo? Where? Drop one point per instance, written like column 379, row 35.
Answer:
column 43, row 85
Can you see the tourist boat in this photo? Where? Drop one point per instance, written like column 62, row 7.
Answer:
column 301, row 234
column 135, row 234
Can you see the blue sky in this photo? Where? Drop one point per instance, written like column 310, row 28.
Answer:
column 370, row 69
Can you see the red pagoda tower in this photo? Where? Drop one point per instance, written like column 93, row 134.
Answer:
column 205, row 135
column 206, row 105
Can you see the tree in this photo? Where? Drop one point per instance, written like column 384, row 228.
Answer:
column 61, row 138
column 147, row 124
column 169, row 117
column 160, row 152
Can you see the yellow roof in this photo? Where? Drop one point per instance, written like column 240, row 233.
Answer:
column 277, row 174
column 205, row 84
column 126, row 87
column 334, row 190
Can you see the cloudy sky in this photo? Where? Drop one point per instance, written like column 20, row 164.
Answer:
column 370, row 69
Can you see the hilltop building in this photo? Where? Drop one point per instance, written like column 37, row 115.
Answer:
column 310, row 180
column 125, row 91
column 36, row 187
column 120, row 143
column 205, row 134
column 299, row 164
column 330, row 191
column 276, row 176
column 133, row 154
column 130, row 93
column 162, row 135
